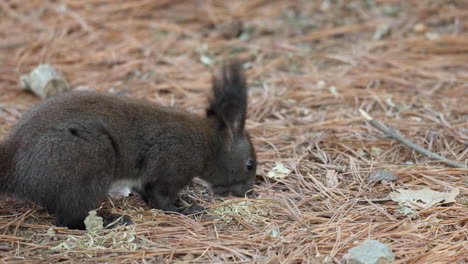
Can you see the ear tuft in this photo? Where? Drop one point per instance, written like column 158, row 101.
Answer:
column 229, row 101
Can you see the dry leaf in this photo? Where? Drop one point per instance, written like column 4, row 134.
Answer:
column 44, row 81
column 279, row 171
column 424, row 198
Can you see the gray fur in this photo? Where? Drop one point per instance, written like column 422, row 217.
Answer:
column 68, row 151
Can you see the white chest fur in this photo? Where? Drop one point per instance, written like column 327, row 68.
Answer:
column 123, row 187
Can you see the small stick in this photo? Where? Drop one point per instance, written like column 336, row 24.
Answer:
column 392, row 133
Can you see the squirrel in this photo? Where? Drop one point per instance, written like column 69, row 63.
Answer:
column 68, row 151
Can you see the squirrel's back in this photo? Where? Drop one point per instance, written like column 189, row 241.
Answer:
column 67, row 128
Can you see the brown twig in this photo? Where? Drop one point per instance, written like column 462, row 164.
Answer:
column 392, row 133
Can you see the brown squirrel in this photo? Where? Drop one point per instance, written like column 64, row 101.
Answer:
column 68, row 151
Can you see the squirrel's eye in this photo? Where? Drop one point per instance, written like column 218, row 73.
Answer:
column 250, row 164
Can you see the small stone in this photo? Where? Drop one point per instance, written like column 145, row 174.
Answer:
column 419, row 28
column 44, row 81
column 369, row 252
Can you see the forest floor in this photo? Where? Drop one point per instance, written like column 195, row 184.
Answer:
column 311, row 65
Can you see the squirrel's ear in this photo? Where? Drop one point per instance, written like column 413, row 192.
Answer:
column 229, row 101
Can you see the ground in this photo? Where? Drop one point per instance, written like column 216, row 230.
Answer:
column 311, row 66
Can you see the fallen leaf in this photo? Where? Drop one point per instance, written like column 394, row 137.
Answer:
column 417, row 199
column 279, row 171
